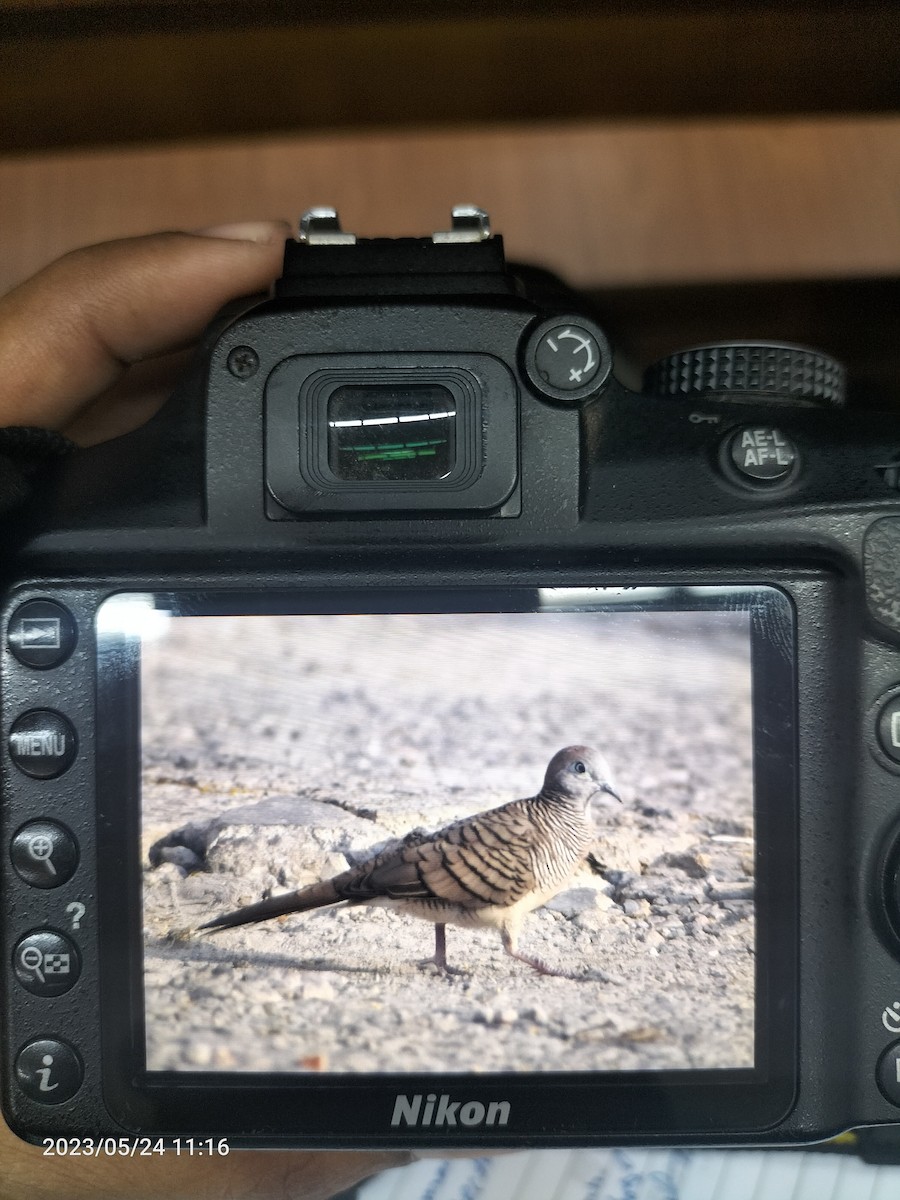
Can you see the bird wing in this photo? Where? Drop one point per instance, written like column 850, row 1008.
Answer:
column 477, row 862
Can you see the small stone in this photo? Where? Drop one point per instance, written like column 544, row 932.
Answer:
column 695, row 865
column 731, row 891
column 575, row 901
column 182, row 857
column 318, row 989
column 199, row 1054
column 504, row 1016
column 223, row 1059
column 536, row 1014
column 686, row 893
column 636, row 908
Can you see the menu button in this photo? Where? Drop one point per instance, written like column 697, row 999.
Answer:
column 42, row 744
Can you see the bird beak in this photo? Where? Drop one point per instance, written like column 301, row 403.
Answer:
column 611, row 791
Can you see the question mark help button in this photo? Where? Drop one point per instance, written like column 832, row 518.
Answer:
column 77, row 911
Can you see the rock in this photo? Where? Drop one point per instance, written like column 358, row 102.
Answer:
column 580, row 900
column 636, row 908
column 318, row 989
column 731, row 891
column 199, row 1054
column 191, row 837
column 536, row 1014
column 179, row 856
column 280, row 837
column 695, row 864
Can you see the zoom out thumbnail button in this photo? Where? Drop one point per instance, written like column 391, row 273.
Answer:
column 46, row 962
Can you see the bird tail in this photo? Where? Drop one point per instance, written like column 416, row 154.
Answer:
column 317, row 895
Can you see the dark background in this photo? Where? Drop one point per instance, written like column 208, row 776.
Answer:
column 78, row 79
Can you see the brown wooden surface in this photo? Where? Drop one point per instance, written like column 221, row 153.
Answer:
column 605, row 205
column 105, row 73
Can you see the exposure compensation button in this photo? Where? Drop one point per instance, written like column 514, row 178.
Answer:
column 567, row 358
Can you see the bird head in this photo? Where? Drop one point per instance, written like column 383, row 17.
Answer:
column 582, row 774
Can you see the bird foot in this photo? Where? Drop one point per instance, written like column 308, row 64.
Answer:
column 434, row 967
column 543, row 968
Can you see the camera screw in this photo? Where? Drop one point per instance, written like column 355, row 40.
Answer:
column 243, row 362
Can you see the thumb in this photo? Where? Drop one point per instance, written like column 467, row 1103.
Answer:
column 69, row 333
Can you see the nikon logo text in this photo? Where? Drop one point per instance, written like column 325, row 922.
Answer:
column 440, row 1110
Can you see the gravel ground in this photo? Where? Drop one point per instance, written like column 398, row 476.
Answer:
column 277, row 750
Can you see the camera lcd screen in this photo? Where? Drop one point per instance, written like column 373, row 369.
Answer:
column 391, row 433
column 278, row 750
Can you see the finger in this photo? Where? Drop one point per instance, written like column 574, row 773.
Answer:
column 68, row 333
column 131, row 401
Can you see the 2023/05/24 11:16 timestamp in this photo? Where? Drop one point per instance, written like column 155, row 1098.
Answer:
column 139, row 1147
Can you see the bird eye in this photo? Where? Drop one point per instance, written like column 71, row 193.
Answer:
column 579, row 768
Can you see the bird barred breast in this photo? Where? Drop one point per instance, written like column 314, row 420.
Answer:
column 489, row 869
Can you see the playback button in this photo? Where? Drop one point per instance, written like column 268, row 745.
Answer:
column 41, row 634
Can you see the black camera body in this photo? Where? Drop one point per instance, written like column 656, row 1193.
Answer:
column 400, row 536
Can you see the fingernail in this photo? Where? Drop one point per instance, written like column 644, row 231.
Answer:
column 248, row 231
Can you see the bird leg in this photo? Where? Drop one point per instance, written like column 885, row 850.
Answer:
column 509, row 940
column 440, row 947
column 440, row 952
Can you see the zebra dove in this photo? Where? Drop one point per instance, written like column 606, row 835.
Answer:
column 485, row 871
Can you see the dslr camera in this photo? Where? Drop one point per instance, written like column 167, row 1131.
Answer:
column 400, row 537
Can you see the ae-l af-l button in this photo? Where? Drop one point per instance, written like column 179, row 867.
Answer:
column 42, row 744
column 760, row 456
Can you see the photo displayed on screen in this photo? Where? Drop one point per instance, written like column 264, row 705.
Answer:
column 280, row 752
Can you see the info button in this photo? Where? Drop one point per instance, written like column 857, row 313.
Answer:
column 42, row 744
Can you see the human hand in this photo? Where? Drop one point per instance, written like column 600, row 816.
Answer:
column 241, row 1175
column 90, row 347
